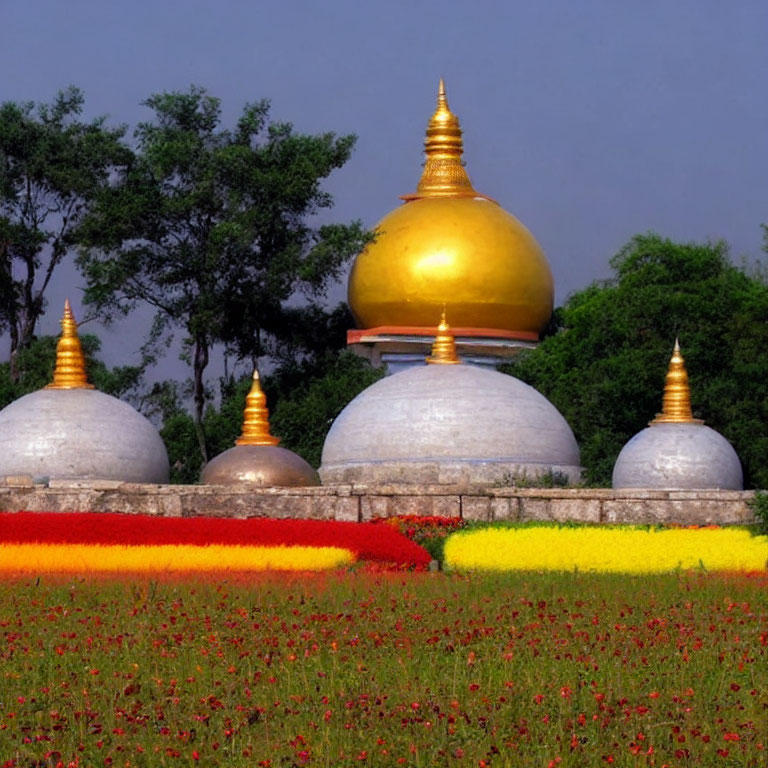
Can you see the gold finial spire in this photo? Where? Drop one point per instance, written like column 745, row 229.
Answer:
column 444, row 174
column 256, row 417
column 69, row 372
column 444, row 346
column 676, row 405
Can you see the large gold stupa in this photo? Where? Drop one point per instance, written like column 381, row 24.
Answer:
column 450, row 247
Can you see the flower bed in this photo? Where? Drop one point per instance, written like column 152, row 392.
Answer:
column 429, row 532
column 617, row 549
column 405, row 670
column 32, row 542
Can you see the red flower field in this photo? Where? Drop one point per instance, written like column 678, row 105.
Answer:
column 87, row 542
column 341, row 669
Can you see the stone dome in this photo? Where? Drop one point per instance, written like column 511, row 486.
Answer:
column 79, row 434
column 450, row 247
column 678, row 456
column 256, row 459
column 676, row 451
column 70, row 431
column 448, row 424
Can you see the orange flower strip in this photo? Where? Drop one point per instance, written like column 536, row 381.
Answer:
column 141, row 542
column 167, row 558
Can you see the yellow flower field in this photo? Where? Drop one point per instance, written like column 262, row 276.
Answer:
column 627, row 549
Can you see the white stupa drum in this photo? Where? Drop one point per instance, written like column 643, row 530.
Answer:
column 70, row 431
column 677, row 451
column 79, row 434
column 448, row 424
column 678, row 457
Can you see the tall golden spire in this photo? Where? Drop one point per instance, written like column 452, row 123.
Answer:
column 69, row 372
column 444, row 346
column 444, row 174
column 676, row 405
column 256, row 418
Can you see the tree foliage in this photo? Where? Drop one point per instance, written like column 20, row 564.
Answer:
column 304, row 418
column 605, row 363
column 51, row 166
column 211, row 227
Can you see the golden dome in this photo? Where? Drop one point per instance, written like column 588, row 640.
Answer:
column 450, row 247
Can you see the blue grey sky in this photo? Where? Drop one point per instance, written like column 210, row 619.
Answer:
column 589, row 120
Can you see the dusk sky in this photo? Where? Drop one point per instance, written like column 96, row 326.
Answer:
column 589, row 120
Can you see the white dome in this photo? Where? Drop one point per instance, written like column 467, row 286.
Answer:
column 678, row 456
column 79, row 434
column 448, row 424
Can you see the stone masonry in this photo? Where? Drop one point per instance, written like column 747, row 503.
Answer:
column 358, row 503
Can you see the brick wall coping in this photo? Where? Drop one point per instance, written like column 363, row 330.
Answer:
column 360, row 503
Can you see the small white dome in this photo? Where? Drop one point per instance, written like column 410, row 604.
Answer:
column 79, row 434
column 448, row 424
column 678, row 457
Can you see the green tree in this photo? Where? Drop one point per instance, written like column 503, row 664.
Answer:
column 211, row 228
column 51, row 166
column 303, row 416
column 605, row 362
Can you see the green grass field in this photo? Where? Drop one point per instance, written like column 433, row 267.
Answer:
column 387, row 669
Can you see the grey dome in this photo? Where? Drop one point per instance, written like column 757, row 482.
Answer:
column 678, row 456
column 263, row 466
column 79, row 434
column 448, row 424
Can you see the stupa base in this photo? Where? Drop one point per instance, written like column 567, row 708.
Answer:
column 468, row 473
column 357, row 503
column 396, row 348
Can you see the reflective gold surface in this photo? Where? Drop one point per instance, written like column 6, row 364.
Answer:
column 676, row 404
column 449, row 246
column 69, row 372
column 443, row 174
column 256, row 418
column 260, row 465
column 444, row 347
column 468, row 255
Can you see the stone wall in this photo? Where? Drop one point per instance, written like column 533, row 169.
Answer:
column 360, row 503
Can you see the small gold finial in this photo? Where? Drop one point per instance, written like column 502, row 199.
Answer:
column 69, row 372
column 444, row 174
column 256, row 417
column 676, row 404
column 444, row 346
column 442, row 102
